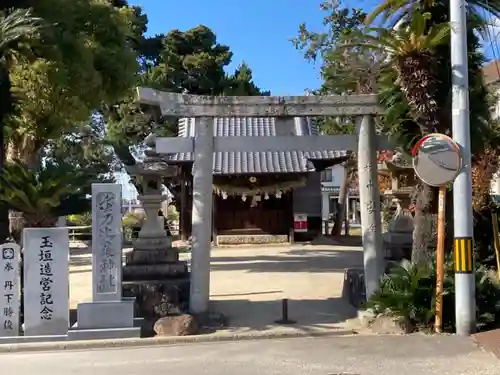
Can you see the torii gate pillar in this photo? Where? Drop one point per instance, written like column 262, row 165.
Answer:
column 201, row 215
column 369, row 196
column 204, row 108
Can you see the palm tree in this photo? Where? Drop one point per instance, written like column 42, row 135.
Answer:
column 45, row 194
column 15, row 28
column 394, row 12
column 411, row 65
column 410, row 50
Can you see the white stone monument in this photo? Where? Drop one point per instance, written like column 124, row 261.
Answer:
column 108, row 315
column 9, row 282
column 46, row 281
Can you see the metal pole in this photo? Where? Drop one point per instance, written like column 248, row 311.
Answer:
column 465, row 309
column 438, row 324
column 284, row 313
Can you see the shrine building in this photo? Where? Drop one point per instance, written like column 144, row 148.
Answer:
column 258, row 194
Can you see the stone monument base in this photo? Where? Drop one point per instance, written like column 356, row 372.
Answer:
column 112, row 314
column 105, row 320
column 158, row 298
column 75, row 333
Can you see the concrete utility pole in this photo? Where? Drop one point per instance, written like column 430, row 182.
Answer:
column 465, row 304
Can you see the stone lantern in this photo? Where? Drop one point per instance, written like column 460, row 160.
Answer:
column 153, row 273
column 398, row 239
column 152, row 171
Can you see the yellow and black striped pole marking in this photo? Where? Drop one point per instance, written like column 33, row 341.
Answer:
column 463, row 255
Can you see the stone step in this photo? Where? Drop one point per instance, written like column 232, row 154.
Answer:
column 142, row 257
column 32, row 339
column 250, row 239
column 145, row 243
column 132, row 272
column 150, row 283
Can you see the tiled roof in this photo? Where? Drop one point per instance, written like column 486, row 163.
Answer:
column 259, row 162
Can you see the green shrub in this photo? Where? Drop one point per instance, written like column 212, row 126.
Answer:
column 172, row 214
column 83, row 219
column 133, row 219
column 408, row 292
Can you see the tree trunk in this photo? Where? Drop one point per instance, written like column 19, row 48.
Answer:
column 39, row 221
column 27, row 153
column 421, row 254
column 31, row 159
column 418, row 82
column 17, row 220
column 341, row 205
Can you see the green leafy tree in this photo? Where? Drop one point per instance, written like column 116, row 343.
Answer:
column 189, row 61
column 344, row 71
column 84, row 147
column 84, row 58
column 76, row 70
column 46, row 193
column 84, row 144
column 17, row 27
column 241, row 83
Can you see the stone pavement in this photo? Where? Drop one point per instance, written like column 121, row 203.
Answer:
column 248, row 283
column 355, row 355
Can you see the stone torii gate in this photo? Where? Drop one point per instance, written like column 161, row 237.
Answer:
column 204, row 144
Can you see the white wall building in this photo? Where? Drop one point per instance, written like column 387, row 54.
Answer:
column 331, row 180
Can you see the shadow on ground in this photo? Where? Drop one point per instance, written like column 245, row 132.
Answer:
column 297, row 260
column 310, row 315
column 338, row 240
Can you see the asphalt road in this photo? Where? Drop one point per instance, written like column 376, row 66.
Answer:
column 358, row 355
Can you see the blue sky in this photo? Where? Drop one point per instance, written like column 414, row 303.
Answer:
column 258, row 32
